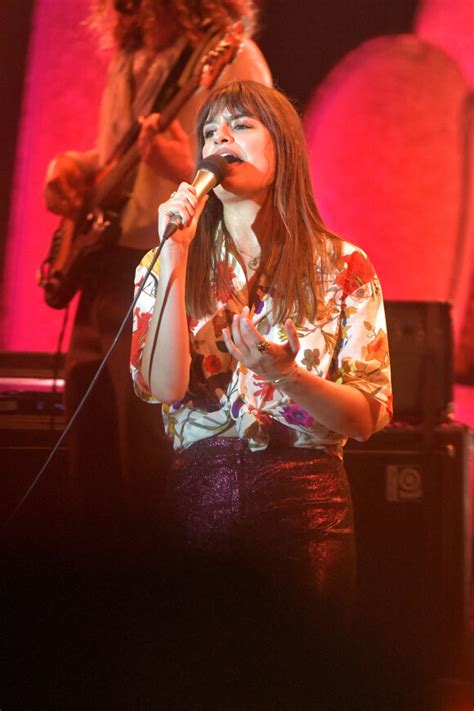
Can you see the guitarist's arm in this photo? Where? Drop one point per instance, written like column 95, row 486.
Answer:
column 67, row 179
column 169, row 154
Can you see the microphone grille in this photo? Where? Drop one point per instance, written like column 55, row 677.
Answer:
column 215, row 164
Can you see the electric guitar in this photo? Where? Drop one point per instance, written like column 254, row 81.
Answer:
column 95, row 228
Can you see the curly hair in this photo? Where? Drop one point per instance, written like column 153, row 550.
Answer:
column 145, row 24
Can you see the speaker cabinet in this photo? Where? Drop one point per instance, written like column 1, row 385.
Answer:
column 25, row 444
column 421, row 357
column 411, row 509
column 31, row 421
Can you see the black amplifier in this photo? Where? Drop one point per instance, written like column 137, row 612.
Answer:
column 412, row 522
column 421, row 356
column 31, row 421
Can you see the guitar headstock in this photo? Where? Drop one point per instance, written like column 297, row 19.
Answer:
column 219, row 51
column 216, row 50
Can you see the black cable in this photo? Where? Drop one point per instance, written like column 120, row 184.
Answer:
column 88, row 391
column 56, row 366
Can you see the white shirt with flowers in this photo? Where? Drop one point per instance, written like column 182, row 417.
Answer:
column 347, row 344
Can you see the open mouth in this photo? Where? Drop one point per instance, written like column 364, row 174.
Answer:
column 231, row 158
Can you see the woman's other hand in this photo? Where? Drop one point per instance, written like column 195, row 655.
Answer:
column 269, row 360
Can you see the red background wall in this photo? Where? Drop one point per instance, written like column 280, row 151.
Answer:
column 384, row 115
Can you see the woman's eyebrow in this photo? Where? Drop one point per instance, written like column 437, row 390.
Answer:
column 229, row 116
column 241, row 114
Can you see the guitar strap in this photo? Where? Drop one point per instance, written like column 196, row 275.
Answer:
column 171, row 84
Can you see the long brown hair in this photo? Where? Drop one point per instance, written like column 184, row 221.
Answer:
column 299, row 238
column 145, row 24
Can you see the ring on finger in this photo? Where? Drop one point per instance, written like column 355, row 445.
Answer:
column 263, row 347
column 173, row 194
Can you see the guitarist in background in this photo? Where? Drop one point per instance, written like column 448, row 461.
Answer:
column 118, row 455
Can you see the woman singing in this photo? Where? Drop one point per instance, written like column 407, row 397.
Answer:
column 263, row 334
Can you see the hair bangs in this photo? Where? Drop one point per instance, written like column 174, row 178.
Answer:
column 238, row 101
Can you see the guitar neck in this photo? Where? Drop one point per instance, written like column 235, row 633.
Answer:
column 115, row 175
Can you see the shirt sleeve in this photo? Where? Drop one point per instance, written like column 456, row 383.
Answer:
column 141, row 323
column 362, row 357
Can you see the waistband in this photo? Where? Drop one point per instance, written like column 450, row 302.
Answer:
column 237, row 445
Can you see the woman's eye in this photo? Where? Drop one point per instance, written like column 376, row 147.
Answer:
column 209, row 132
column 240, row 126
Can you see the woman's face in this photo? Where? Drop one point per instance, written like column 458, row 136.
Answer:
column 251, row 174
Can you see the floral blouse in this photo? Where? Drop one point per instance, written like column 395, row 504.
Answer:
column 347, row 344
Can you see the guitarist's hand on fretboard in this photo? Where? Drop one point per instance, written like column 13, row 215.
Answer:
column 66, row 185
column 169, row 153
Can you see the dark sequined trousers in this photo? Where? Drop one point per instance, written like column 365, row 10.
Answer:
column 285, row 507
column 269, row 564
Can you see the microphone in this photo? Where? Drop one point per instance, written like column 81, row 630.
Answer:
column 210, row 172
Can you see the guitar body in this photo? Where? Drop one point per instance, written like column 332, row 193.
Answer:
column 77, row 242
column 74, row 249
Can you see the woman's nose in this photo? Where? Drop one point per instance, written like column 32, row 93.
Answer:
column 222, row 135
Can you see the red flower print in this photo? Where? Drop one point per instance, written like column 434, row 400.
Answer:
column 142, row 321
column 264, row 388
column 359, row 272
column 212, row 364
column 192, row 323
column 390, row 404
column 378, row 348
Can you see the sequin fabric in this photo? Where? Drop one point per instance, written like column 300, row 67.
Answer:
column 285, row 511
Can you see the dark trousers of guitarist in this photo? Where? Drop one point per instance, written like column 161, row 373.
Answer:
column 118, row 455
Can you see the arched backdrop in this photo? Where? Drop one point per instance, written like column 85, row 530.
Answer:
column 387, row 132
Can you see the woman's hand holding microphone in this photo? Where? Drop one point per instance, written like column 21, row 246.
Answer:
column 185, row 205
